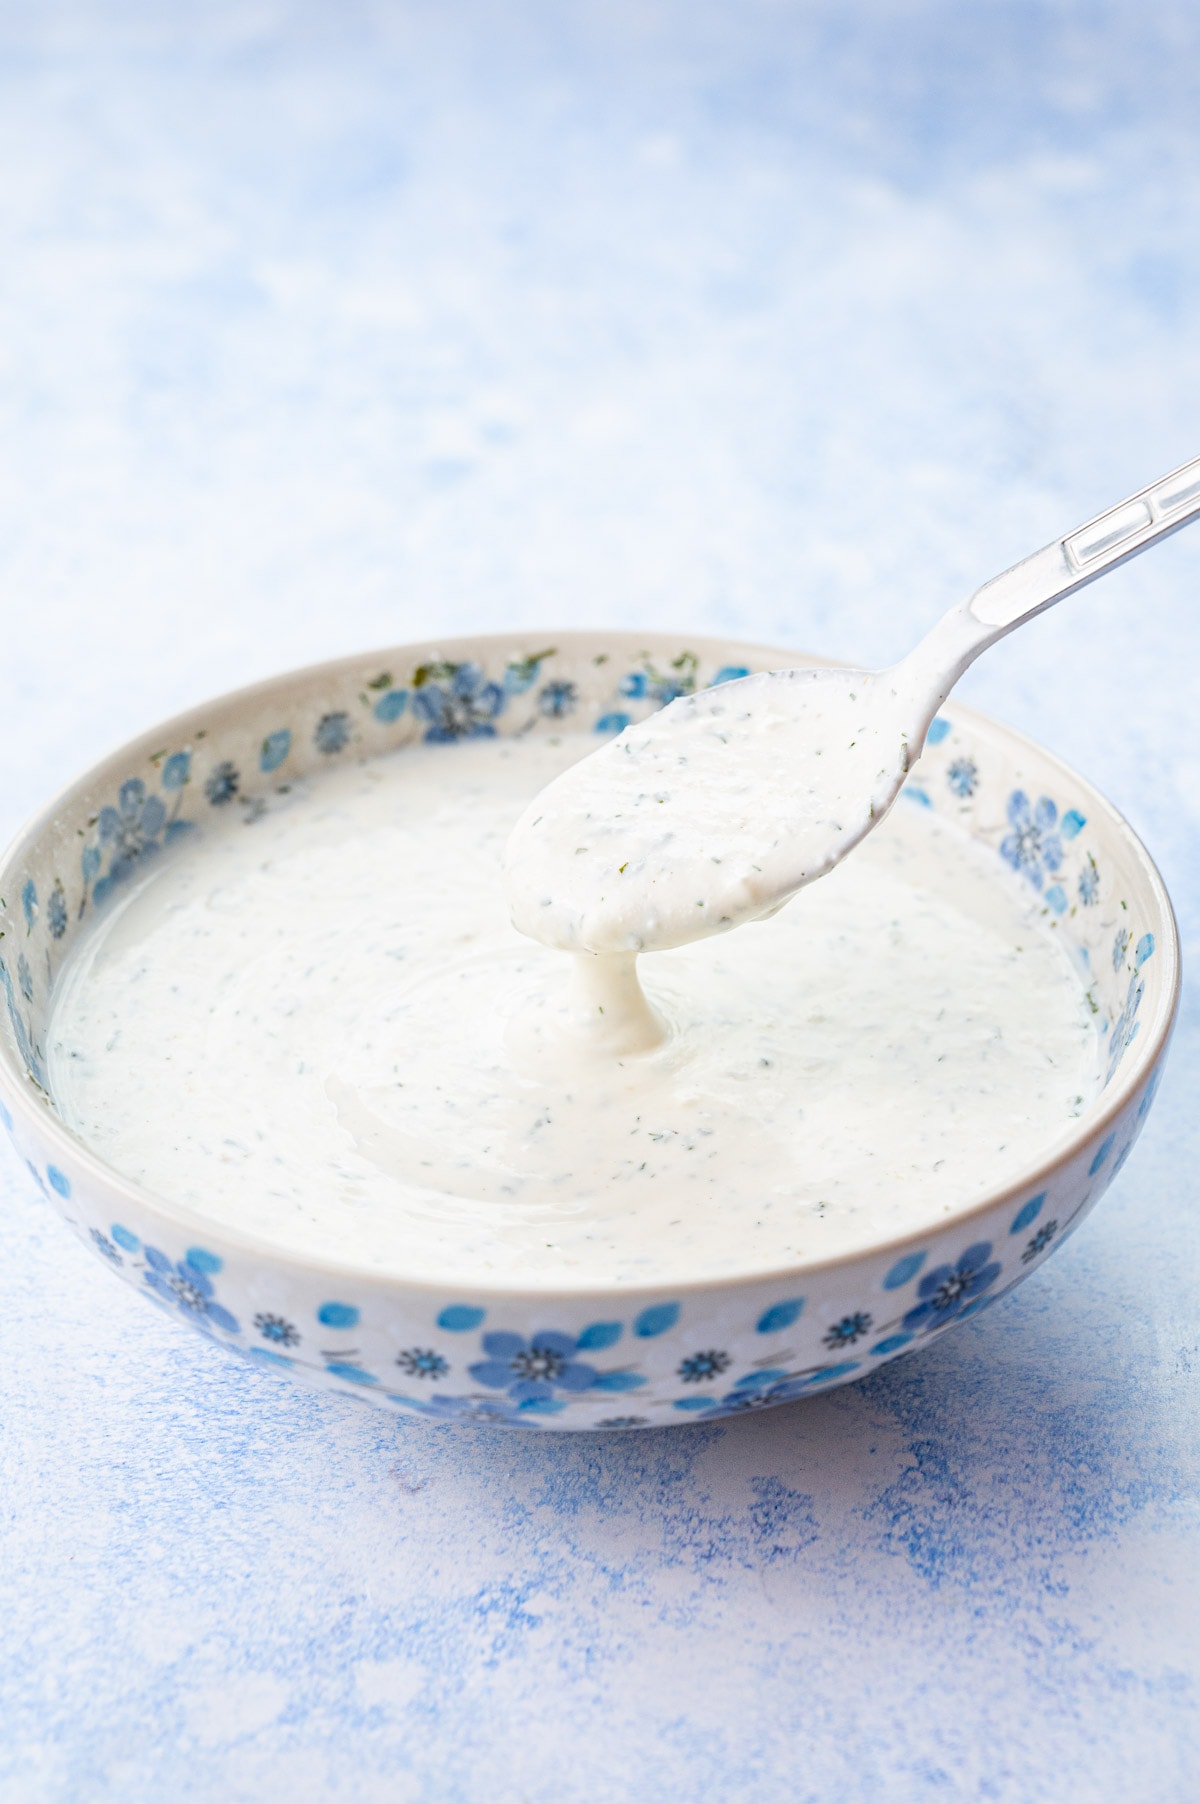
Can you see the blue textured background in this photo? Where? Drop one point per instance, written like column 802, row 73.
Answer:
column 323, row 325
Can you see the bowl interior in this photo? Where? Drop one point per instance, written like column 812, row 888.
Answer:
column 232, row 760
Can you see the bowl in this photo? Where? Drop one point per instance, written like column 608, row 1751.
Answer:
column 604, row 1358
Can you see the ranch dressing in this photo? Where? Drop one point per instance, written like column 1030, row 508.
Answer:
column 321, row 1027
column 708, row 814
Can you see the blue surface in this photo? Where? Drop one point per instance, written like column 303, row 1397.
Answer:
column 327, row 326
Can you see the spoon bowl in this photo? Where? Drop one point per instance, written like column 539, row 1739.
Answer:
column 668, row 833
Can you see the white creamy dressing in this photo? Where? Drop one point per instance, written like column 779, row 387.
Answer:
column 712, row 812
column 321, row 1027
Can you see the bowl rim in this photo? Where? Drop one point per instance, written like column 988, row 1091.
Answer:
column 41, row 1117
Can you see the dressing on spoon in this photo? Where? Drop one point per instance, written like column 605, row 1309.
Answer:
column 722, row 806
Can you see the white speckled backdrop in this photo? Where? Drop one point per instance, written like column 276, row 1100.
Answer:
column 324, row 325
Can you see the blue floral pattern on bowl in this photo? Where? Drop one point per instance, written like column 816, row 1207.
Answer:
column 187, row 1285
column 948, row 1290
column 134, row 830
column 464, row 705
column 1033, row 847
column 532, row 1370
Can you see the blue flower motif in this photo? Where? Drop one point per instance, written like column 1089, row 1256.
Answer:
column 848, row 1330
column 56, row 911
column 1089, row 883
column 21, row 1032
column 422, row 1362
column 332, row 733
column 29, row 903
column 188, row 1288
column 104, row 1245
column 612, row 723
column 463, row 708
column 277, row 1329
column 1120, row 947
column 130, row 831
column 1041, row 1240
column 947, row 1290
column 701, row 1368
column 1033, row 847
column 222, row 783
column 532, row 1370
column 1125, row 1028
column 624, row 1422
column 963, row 777
column 557, row 699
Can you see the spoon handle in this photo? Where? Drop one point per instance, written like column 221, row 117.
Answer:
column 1114, row 536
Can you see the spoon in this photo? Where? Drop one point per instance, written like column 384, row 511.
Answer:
column 719, row 808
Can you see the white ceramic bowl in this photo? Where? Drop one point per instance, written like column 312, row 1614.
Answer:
column 604, row 1358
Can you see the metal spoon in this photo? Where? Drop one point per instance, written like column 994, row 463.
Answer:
column 718, row 809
